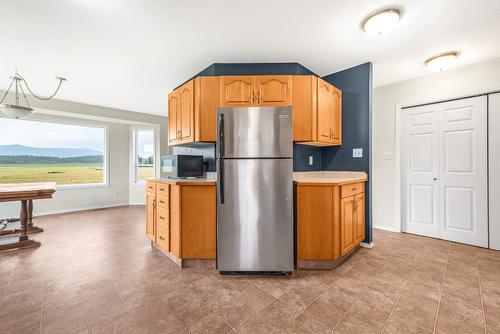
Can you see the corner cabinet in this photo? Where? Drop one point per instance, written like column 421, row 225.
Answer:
column 192, row 111
column 330, row 220
column 266, row 90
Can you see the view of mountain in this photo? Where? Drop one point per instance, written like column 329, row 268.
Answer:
column 56, row 152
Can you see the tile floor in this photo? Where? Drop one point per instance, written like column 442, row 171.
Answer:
column 96, row 272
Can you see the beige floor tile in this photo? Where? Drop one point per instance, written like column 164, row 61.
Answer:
column 280, row 314
column 399, row 325
column 304, row 325
column 453, row 319
column 258, row 324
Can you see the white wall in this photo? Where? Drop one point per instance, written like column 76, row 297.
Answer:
column 462, row 81
column 118, row 124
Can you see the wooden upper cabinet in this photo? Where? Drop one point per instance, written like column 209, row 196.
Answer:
column 325, row 111
column 173, row 110
column 273, row 90
column 192, row 111
column 304, row 104
column 186, row 123
column 347, row 225
column 336, row 117
column 237, row 91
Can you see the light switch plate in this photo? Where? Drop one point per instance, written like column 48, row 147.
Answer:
column 387, row 155
column 311, row 161
column 357, row 152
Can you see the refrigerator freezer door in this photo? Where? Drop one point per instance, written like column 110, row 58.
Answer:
column 258, row 132
column 255, row 223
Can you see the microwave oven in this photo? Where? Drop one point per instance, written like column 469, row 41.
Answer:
column 181, row 166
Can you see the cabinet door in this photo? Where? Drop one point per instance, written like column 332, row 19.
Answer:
column 186, row 124
column 273, row 90
column 237, row 91
column 325, row 108
column 347, row 225
column 150, row 215
column 359, row 203
column 304, row 106
column 314, row 222
column 336, row 116
column 207, row 98
column 173, row 111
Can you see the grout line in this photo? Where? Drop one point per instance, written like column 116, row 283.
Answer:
column 10, row 279
column 481, row 295
column 441, row 292
column 121, row 300
column 170, row 309
column 405, row 284
column 42, row 309
column 84, row 310
column 350, row 307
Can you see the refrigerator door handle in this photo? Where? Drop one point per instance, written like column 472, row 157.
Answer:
column 221, row 136
column 221, row 181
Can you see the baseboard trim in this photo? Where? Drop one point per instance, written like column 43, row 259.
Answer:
column 367, row 245
column 96, row 207
column 387, row 228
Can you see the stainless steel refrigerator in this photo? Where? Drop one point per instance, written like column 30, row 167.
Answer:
column 254, row 190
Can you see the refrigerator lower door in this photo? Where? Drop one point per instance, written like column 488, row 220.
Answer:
column 255, row 222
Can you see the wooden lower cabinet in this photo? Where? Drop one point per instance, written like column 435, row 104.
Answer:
column 328, row 225
column 181, row 219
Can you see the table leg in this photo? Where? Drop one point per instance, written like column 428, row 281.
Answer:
column 24, row 220
column 31, row 228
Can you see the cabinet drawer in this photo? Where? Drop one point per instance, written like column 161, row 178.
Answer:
column 162, row 201
column 151, row 186
column 162, row 216
column 352, row 189
column 163, row 238
column 162, row 189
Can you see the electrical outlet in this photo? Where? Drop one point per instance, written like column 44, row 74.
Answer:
column 357, row 152
column 311, row 161
column 387, row 155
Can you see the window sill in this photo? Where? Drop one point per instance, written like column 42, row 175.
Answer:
column 81, row 186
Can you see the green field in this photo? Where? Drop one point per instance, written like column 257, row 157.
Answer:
column 69, row 173
column 60, row 173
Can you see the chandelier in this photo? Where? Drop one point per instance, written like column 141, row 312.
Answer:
column 17, row 110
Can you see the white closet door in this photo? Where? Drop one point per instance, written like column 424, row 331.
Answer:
column 445, row 171
column 464, row 171
column 421, row 170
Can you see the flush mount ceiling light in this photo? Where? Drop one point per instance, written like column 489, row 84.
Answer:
column 17, row 110
column 442, row 61
column 381, row 21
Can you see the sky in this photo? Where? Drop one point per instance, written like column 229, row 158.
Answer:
column 45, row 134
column 145, row 143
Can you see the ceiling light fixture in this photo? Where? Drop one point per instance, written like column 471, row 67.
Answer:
column 381, row 21
column 442, row 61
column 17, row 110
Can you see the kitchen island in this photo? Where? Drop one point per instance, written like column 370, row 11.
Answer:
column 329, row 207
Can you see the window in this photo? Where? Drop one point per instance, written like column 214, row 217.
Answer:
column 36, row 151
column 144, row 154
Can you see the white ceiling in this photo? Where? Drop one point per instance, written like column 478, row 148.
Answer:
column 129, row 54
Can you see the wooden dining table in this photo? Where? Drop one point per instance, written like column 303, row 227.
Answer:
column 24, row 193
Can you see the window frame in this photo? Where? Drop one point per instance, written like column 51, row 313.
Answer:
column 134, row 165
column 105, row 164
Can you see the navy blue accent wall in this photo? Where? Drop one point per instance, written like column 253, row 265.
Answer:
column 301, row 154
column 356, row 86
column 218, row 69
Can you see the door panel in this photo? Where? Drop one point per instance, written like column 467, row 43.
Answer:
column 463, row 177
column 237, row 91
column 255, row 222
column 336, row 119
column 445, row 171
column 173, row 110
column 273, row 90
column 421, row 170
column 256, row 132
column 347, row 225
column 360, row 217
column 186, row 124
column 325, row 106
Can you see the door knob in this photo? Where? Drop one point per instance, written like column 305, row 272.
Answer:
column 435, row 179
